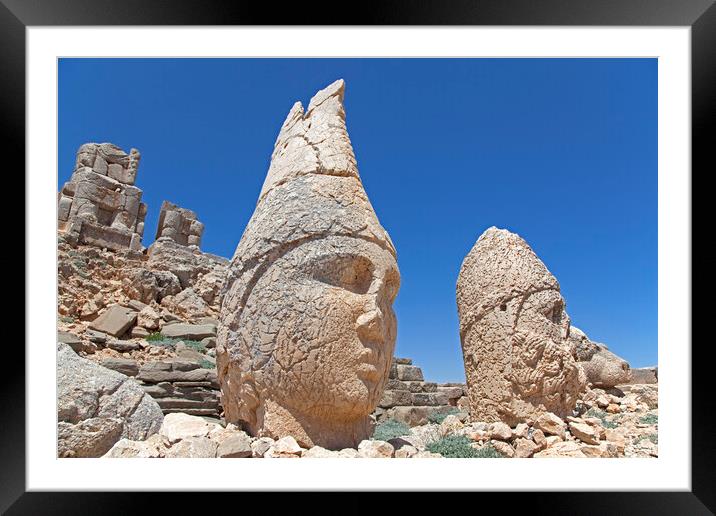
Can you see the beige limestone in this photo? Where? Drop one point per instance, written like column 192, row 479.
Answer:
column 179, row 224
column 550, row 424
column 375, row 449
column 584, row 432
column 100, row 205
column 602, row 367
column 307, row 330
column 513, row 329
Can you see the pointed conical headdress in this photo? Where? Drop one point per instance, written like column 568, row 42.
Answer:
column 312, row 191
column 501, row 266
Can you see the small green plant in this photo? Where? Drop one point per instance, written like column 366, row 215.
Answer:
column 650, row 419
column 488, row 452
column 205, row 364
column 595, row 412
column 67, row 319
column 157, row 339
column 390, row 429
column 439, row 417
column 195, row 345
column 654, row 438
column 459, row 447
column 602, row 416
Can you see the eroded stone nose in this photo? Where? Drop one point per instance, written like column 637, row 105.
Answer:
column 370, row 325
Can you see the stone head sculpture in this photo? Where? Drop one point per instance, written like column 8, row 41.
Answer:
column 513, row 329
column 603, row 368
column 307, row 330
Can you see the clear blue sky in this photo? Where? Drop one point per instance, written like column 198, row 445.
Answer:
column 561, row 151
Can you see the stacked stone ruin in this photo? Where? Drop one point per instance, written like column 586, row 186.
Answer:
column 182, row 386
column 408, row 398
column 100, row 205
column 179, row 224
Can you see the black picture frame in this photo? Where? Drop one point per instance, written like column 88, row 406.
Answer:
column 700, row 15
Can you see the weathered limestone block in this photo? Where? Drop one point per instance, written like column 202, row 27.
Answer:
column 513, row 330
column 96, row 407
column 116, row 320
column 179, row 224
column 416, row 415
column 603, row 368
column 409, row 373
column 126, row 366
column 307, row 329
column 98, row 205
column 395, row 398
column 189, row 331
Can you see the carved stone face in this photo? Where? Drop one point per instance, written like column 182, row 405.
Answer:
column 331, row 348
column 320, row 331
column 514, row 331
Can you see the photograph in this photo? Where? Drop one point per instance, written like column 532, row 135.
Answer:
column 358, row 257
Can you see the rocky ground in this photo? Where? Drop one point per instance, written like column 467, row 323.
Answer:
column 618, row 424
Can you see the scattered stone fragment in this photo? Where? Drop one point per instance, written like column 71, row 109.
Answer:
column 179, row 426
column 125, row 366
column 193, row 448
column 503, row 449
column 154, row 447
column 375, row 449
column 123, row 345
column 500, row 431
column 115, row 320
column 584, row 432
column 238, row 445
column 551, row 424
column 285, row 447
column 524, row 448
column 260, row 446
column 406, row 452
column 189, row 331
column 562, row 449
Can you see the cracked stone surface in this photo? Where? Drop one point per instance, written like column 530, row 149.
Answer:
column 306, row 330
column 96, row 407
column 513, row 329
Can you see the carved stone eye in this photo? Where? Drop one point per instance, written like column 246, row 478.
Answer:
column 353, row 273
column 554, row 313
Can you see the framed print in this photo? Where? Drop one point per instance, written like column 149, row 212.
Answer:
column 426, row 234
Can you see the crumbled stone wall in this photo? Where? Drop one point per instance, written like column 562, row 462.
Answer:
column 100, row 205
column 408, row 398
